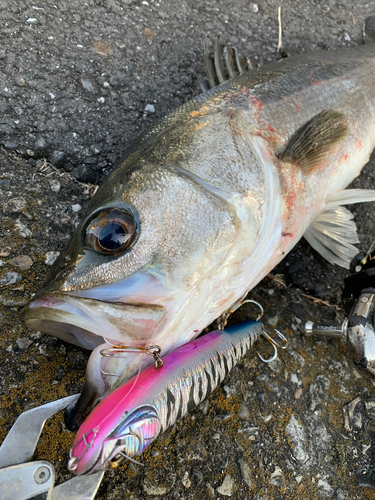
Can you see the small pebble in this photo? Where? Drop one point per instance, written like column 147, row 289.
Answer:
column 186, row 481
column 254, row 7
column 353, row 415
column 370, row 408
column 226, row 489
column 76, row 208
column 298, row 393
column 51, row 258
column 55, row 185
column 24, row 262
column 277, row 478
column 294, row 378
column 32, row 20
column 15, row 205
column 10, row 279
column 43, row 349
column 23, row 343
column 2, row 263
column 150, row 108
column 244, row 412
column 246, row 473
column 22, row 229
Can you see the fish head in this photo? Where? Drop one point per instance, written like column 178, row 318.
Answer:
column 150, row 238
column 97, row 449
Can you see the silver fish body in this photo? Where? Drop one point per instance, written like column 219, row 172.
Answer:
column 207, row 202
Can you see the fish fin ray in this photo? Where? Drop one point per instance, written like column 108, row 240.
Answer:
column 224, row 64
column 314, row 141
column 333, row 232
column 349, row 196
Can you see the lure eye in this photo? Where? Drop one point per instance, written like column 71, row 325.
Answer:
column 111, row 232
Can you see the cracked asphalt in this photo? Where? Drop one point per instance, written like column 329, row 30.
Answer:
column 78, row 82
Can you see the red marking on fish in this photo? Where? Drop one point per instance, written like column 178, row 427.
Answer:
column 287, row 234
column 358, row 144
column 256, row 102
column 343, row 158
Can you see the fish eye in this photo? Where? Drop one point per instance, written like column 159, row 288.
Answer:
column 111, row 232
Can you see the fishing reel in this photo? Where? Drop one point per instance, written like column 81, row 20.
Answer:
column 358, row 329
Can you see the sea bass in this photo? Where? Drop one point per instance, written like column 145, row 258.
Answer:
column 127, row 421
column 206, row 203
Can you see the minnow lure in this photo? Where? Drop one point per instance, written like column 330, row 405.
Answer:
column 131, row 417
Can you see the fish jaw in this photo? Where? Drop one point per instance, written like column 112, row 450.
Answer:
column 121, row 323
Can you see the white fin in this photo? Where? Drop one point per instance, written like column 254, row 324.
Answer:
column 333, row 232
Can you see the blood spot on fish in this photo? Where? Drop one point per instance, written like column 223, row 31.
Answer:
column 358, row 144
column 256, row 102
column 287, row 234
column 343, row 158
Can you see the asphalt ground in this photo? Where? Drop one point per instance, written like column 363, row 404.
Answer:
column 78, row 82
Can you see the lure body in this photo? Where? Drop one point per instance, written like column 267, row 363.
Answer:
column 132, row 416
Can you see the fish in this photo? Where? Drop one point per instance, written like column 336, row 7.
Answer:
column 131, row 417
column 203, row 205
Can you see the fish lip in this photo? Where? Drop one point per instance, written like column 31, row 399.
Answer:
column 72, row 318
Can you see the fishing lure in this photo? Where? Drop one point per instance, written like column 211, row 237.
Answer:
column 131, row 417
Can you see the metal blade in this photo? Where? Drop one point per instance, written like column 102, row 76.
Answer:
column 78, row 488
column 21, row 441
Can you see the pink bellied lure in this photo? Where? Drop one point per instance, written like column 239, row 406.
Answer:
column 131, row 417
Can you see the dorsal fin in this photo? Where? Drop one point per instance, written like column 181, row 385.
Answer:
column 223, row 64
column 315, row 140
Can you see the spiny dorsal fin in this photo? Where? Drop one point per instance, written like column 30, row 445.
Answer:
column 223, row 64
column 315, row 140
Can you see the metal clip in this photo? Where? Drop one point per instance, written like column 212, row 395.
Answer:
column 117, row 351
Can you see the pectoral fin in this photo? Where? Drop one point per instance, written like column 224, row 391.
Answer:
column 333, row 233
column 312, row 143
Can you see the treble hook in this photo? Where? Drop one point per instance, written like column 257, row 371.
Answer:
column 223, row 319
column 274, row 344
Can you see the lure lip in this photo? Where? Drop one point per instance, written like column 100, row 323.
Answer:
column 115, row 441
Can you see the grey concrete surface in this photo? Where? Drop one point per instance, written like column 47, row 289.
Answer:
column 77, row 83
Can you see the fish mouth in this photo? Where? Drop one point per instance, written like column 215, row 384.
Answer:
column 87, row 322
column 90, row 323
